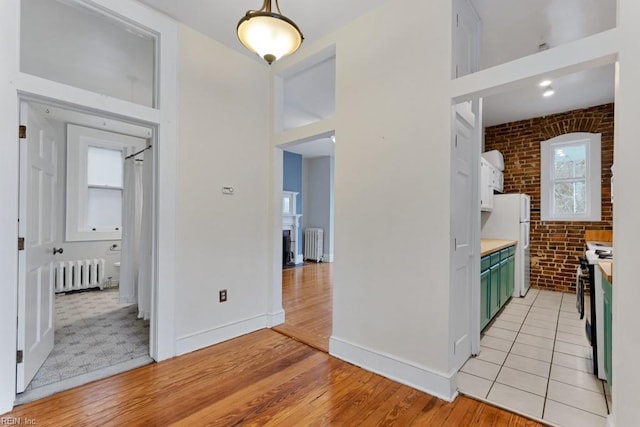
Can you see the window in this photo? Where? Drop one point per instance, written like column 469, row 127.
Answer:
column 570, row 172
column 95, row 166
column 104, row 188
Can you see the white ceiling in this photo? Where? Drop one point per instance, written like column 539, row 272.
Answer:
column 511, row 29
column 317, row 148
column 219, row 18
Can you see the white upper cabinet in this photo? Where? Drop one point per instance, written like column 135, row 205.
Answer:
column 487, row 176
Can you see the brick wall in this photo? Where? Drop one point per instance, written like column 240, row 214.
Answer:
column 555, row 245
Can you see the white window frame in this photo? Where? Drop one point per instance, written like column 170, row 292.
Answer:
column 79, row 139
column 593, row 202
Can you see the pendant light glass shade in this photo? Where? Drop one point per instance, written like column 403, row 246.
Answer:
column 267, row 34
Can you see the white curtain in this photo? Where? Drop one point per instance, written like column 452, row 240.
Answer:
column 136, row 260
column 144, row 250
column 131, row 222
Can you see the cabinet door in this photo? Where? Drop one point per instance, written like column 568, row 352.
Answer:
column 504, row 282
column 494, row 289
column 511, row 266
column 466, row 37
column 486, row 186
column 608, row 318
column 485, row 277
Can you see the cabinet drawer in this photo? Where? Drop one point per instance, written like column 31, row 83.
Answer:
column 504, row 254
column 511, row 250
column 485, row 263
column 495, row 258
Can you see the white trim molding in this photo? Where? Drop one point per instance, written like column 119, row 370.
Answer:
column 419, row 377
column 209, row 337
column 275, row 319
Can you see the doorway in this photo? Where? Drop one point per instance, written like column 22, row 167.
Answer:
column 307, row 285
column 85, row 327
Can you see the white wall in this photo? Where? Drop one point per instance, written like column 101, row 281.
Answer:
column 9, row 198
column 317, row 181
column 222, row 241
column 391, row 286
column 626, row 292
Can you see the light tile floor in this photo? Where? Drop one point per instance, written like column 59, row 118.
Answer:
column 535, row 359
column 93, row 331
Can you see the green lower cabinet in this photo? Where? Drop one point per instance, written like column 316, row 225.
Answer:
column 511, row 266
column 504, row 282
column 484, row 299
column 494, row 289
column 496, row 283
column 608, row 318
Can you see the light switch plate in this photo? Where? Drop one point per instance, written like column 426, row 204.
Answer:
column 227, row 190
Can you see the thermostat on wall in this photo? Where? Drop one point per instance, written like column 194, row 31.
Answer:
column 227, row 190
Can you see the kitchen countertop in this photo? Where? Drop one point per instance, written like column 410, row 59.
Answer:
column 607, row 270
column 488, row 246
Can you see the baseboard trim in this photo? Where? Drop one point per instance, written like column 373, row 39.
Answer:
column 208, row 337
column 328, row 258
column 275, row 319
column 407, row 373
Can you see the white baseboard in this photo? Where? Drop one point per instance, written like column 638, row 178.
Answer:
column 206, row 338
column 275, row 319
column 328, row 258
column 5, row 408
column 418, row 377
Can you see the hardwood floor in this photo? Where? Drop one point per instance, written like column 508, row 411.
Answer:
column 307, row 298
column 259, row 379
column 262, row 379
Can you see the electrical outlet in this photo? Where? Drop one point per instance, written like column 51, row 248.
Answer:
column 223, row 295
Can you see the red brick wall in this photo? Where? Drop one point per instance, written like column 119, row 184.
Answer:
column 555, row 245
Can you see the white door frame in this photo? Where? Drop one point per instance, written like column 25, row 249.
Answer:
column 15, row 85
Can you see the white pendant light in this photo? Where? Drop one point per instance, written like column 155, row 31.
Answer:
column 268, row 34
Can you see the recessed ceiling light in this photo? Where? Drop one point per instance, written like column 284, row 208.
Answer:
column 548, row 91
column 545, row 83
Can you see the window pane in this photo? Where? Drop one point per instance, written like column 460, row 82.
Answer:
column 104, row 208
column 570, row 161
column 570, row 198
column 104, row 166
column 67, row 42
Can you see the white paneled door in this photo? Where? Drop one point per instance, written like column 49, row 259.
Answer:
column 462, row 209
column 38, row 180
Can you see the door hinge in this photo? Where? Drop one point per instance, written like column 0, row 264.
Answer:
column 457, row 20
column 21, row 243
column 455, row 244
column 456, row 141
column 19, row 356
column 22, row 131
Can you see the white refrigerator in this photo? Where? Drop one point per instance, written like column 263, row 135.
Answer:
column 509, row 220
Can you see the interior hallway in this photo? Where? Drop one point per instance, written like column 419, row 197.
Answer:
column 307, row 298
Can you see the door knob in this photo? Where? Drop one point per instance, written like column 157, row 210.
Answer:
column 58, row 251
